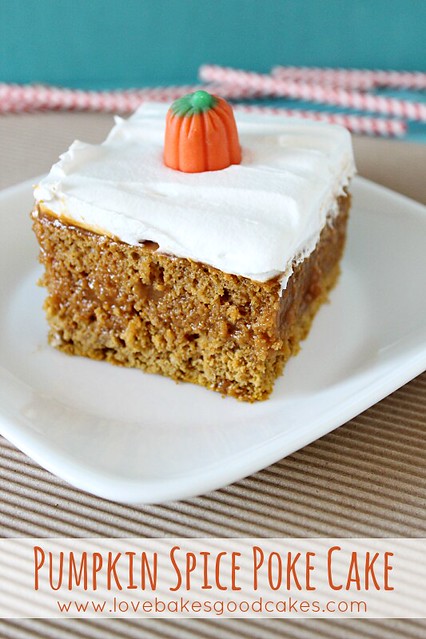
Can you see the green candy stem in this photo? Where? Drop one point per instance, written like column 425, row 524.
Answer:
column 202, row 100
column 193, row 103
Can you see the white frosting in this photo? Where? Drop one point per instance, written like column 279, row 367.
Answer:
column 255, row 219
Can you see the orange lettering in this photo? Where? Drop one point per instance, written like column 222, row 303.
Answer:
column 218, row 558
column 206, row 585
column 369, row 570
column 191, row 564
column 329, row 568
column 97, row 566
column 39, row 558
column 309, row 569
column 278, row 582
column 291, row 570
column 234, row 568
column 353, row 573
column 387, row 569
column 111, row 571
column 61, row 571
column 147, row 572
column 73, row 576
column 176, row 567
column 258, row 559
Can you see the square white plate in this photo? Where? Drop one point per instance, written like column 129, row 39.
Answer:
column 132, row 437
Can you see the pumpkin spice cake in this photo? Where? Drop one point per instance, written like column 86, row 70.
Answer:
column 185, row 250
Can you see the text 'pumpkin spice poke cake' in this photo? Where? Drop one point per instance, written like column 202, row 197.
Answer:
column 193, row 245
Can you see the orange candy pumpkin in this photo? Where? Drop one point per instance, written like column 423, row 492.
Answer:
column 201, row 134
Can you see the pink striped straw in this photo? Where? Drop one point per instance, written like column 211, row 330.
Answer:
column 269, row 85
column 355, row 123
column 18, row 99
column 353, row 78
column 21, row 98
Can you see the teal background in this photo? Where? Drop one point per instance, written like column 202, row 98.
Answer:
column 124, row 43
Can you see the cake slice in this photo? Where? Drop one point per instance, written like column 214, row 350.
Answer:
column 210, row 277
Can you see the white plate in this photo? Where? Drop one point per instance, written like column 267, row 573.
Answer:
column 132, row 437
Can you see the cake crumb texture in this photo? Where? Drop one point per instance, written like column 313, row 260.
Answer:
column 132, row 306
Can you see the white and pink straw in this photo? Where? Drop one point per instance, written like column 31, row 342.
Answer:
column 269, row 85
column 360, row 124
column 15, row 98
column 361, row 79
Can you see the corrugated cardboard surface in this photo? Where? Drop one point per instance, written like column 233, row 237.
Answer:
column 368, row 478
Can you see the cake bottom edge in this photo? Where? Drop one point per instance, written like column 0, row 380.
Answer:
column 290, row 347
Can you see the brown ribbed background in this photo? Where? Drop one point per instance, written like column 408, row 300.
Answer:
column 368, row 478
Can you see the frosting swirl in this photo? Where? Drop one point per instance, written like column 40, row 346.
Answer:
column 254, row 219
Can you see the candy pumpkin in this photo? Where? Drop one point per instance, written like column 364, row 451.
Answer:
column 201, row 134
